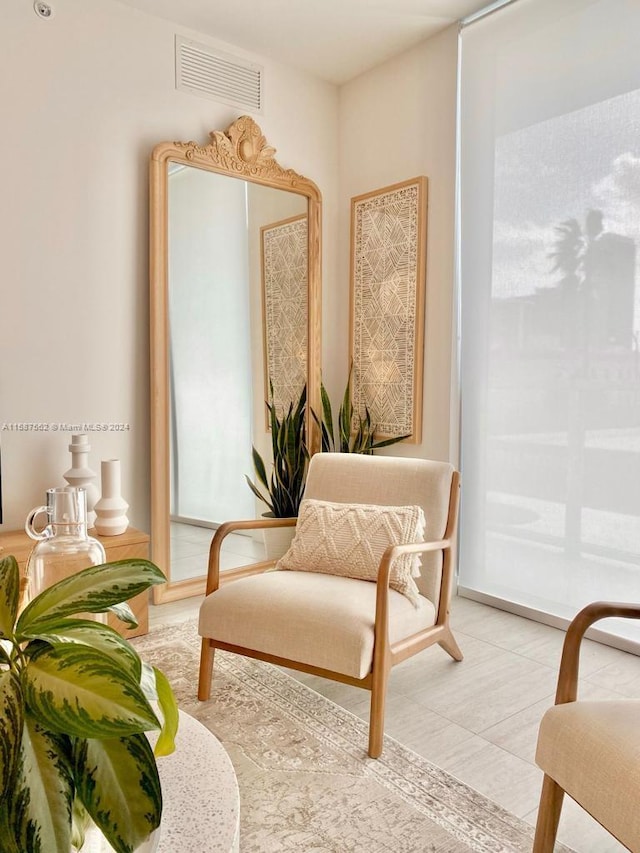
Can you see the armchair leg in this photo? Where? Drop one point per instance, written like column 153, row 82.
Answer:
column 450, row 646
column 376, row 714
column 206, row 669
column 548, row 816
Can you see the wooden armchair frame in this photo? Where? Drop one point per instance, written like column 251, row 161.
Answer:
column 552, row 794
column 385, row 654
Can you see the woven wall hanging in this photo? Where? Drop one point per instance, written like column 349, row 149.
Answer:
column 388, row 260
column 284, row 303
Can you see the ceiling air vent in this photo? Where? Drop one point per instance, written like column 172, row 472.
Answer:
column 209, row 73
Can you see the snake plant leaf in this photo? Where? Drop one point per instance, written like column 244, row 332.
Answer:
column 117, row 781
column 345, row 415
column 84, row 693
column 387, row 441
column 258, row 495
column 259, row 466
column 9, row 594
column 38, row 807
column 84, row 632
column 11, row 724
column 327, row 418
column 91, row 590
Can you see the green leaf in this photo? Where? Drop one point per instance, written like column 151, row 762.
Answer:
column 84, row 632
column 9, row 594
column 327, row 414
column 124, row 613
column 11, row 723
column 157, row 689
column 260, row 468
column 91, row 590
column 6, row 831
column 388, row 441
column 289, row 454
column 80, row 822
column 38, row 807
column 302, row 402
column 84, row 693
column 345, row 416
column 117, row 781
column 258, row 494
column 165, row 744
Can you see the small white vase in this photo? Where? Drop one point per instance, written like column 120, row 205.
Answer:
column 277, row 539
column 111, row 509
column 80, row 474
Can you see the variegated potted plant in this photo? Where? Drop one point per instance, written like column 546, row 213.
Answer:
column 74, row 707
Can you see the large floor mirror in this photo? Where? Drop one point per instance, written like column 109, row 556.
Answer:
column 235, row 306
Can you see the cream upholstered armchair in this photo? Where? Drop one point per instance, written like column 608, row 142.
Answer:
column 590, row 750
column 317, row 618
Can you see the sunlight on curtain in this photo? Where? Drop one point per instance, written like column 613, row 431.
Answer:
column 550, row 305
column 210, row 347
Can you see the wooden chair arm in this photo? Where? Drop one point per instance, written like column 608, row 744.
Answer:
column 384, row 573
column 213, row 572
column 394, row 551
column 567, row 689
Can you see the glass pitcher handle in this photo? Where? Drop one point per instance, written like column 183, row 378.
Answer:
column 29, row 525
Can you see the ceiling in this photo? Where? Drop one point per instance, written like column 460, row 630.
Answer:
column 332, row 39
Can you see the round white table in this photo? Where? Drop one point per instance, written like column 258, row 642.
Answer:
column 200, row 797
column 201, row 801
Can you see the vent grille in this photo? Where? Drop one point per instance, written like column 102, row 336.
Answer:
column 220, row 76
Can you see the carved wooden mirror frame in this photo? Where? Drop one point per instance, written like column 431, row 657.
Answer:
column 240, row 151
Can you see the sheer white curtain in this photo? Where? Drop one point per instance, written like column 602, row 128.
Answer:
column 210, row 347
column 550, row 304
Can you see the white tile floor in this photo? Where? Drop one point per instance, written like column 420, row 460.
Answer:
column 478, row 719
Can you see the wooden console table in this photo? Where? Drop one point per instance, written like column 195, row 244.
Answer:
column 131, row 543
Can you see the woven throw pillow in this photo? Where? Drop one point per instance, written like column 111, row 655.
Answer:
column 350, row 539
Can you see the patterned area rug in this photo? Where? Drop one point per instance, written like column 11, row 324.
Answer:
column 306, row 782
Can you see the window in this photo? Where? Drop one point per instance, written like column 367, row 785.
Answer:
column 550, row 305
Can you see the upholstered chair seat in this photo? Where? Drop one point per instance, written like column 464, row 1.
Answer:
column 317, row 619
column 365, row 585
column 588, row 747
column 590, row 750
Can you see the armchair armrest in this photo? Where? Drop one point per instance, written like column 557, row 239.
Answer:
column 213, row 573
column 395, row 551
column 567, row 689
column 384, row 572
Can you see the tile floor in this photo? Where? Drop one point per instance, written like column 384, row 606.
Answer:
column 477, row 719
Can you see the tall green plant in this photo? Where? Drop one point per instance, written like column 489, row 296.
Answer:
column 285, row 487
column 73, row 713
column 356, row 433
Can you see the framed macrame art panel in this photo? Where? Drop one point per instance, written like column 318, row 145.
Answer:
column 388, row 280
column 284, row 309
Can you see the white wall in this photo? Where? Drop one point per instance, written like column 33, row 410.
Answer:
column 397, row 122
column 84, row 98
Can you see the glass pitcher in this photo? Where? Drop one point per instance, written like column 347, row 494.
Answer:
column 63, row 546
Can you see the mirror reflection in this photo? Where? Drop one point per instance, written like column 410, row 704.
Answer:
column 237, row 305
column 235, row 300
